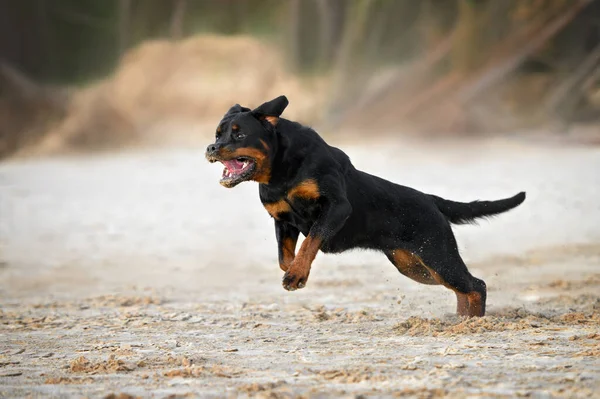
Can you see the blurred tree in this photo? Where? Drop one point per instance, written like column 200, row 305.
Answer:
column 177, row 19
column 466, row 54
column 295, row 41
column 327, row 28
column 349, row 61
column 124, row 25
column 432, row 53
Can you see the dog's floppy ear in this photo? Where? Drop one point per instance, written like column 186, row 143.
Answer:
column 271, row 110
column 236, row 109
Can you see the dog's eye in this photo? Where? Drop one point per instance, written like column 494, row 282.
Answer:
column 238, row 135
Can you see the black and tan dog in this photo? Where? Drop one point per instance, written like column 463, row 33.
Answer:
column 312, row 188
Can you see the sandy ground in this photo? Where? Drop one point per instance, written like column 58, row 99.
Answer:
column 138, row 274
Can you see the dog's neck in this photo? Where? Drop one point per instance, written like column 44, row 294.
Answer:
column 283, row 155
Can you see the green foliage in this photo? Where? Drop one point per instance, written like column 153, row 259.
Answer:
column 71, row 41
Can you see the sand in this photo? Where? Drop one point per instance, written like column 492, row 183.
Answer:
column 137, row 275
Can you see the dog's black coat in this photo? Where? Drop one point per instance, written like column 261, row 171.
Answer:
column 344, row 208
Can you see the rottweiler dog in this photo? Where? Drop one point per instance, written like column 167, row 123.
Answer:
column 310, row 187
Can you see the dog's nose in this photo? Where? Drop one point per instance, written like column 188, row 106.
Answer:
column 211, row 149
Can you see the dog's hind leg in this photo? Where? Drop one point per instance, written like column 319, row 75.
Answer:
column 442, row 264
column 413, row 267
column 448, row 269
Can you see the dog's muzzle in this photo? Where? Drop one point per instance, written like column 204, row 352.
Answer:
column 212, row 153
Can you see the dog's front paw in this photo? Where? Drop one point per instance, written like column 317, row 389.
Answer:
column 293, row 281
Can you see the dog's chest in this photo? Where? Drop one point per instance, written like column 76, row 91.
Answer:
column 298, row 204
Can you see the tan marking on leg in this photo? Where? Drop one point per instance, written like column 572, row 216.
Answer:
column 307, row 253
column 462, row 304
column 289, row 249
column 277, row 208
column 297, row 274
column 475, row 304
column 468, row 304
column 439, row 279
column 412, row 267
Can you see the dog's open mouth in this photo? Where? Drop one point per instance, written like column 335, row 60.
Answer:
column 237, row 170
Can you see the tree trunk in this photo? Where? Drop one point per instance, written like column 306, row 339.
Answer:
column 430, row 30
column 571, row 86
column 563, row 101
column 465, row 52
column 124, row 25
column 347, row 64
column 511, row 57
column 294, row 35
column 176, row 28
column 326, row 32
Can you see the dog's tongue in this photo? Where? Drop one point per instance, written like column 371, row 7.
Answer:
column 234, row 165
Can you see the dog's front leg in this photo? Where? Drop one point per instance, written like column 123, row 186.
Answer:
column 335, row 212
column 287, row 237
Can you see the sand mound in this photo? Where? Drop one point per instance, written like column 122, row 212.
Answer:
column 581, row 310
column 202, row 77
column 193, row 81
column 112, row 365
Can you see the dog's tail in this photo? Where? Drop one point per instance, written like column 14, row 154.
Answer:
column 467, row 212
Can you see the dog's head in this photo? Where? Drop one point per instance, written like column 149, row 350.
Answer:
column 244, row 140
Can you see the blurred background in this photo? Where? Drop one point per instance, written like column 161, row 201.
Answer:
column 116, row 238
column 89, row 74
